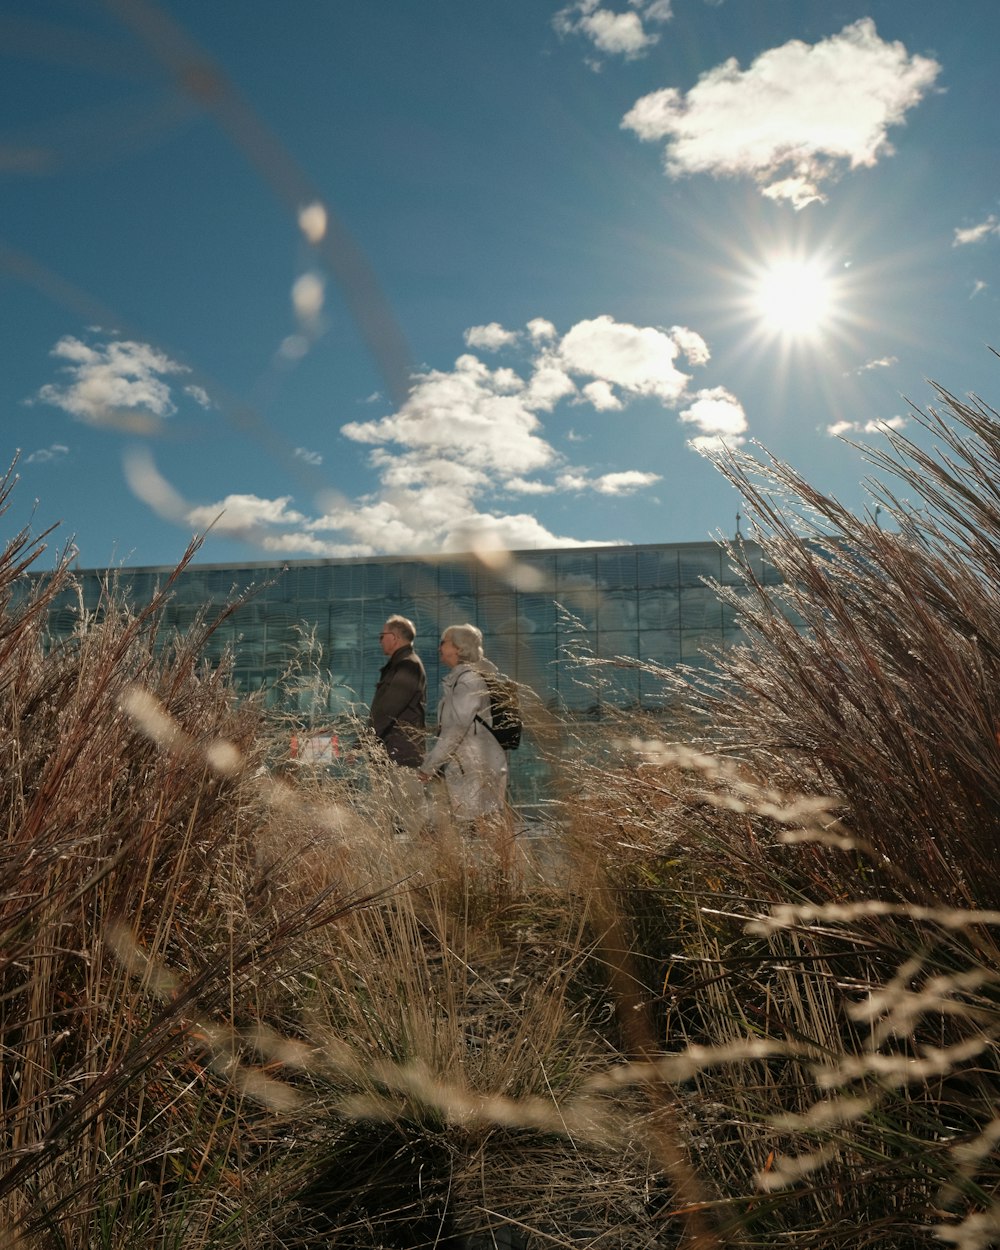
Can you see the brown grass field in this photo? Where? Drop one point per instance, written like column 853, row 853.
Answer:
column 743, row 993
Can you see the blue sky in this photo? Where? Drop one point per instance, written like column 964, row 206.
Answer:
column 418, row 275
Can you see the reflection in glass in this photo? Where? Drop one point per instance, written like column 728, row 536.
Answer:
column 618, row 609
column 498, row 614
column 536, row 614
column 578, row 611
column 700, row 608
column 613, row 643
column 617, row 569
column 659, row 609
column 574, row 570
column 535, row 572
column 657, row 567
column 699, row 561
column 662, row 646
column 344, row 604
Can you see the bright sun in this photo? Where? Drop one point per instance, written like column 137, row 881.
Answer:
column 794, row 298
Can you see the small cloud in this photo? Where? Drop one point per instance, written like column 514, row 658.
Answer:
column 636, row 359
column 521, row 486
column 573, row 480
column 613, row 33
column 719, row 416
column 792, row 121
column 691, row 344
column 976, row 234
column 977, row 288
column 199, row 395
column 840, row 428
column 548, row 384
column 882, row 362
column 626, row 483
column 46, row 454
column 310, row 457
column 237, row 514
column 602, row 397
column 541, row 331
column 489, row 337
column 467, row 415
column 116, row 384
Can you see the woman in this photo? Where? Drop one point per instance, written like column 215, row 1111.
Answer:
column 473, row 762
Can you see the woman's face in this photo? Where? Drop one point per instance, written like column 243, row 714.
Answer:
column 449, row 652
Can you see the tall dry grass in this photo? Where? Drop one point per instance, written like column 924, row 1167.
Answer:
column 742, row 993
column 830, row 856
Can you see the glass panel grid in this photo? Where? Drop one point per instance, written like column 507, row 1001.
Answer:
column 648, row 603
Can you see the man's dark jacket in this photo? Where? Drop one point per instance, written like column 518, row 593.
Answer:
column 397, row 713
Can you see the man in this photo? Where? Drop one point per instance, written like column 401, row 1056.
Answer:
column 397, row 719
column 397, row 711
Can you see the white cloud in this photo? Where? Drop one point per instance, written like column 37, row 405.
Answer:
column 614, row 33
column 976, row 234
column 549, row 383
column 237, row 514
column 199, row 395
column 601, row 396
column 719, row 416
column 573, row 480
column 310, row 457
column 485, row 532
column 623, row 483
column 489, row 337
column 522, row 486
column 793, row 120
column 691, row 345
column 119, row 383
column 638, row 359
column 467, row 437
column 541, row 330
column 879, row 427
column 839, row 428
column 977, row 288
column 626, row 483
column 882, row 362
column 43, row 455
column 466, row 416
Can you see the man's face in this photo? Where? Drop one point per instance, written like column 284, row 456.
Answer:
column 390, row 642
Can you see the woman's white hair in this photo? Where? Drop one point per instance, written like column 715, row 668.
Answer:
column 467, row 641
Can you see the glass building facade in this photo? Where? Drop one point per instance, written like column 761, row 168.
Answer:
column 542, row 613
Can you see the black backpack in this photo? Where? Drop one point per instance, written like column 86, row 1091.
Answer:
column 505, row 710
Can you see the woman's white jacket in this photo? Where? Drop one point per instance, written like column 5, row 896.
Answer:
column 474, row 763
